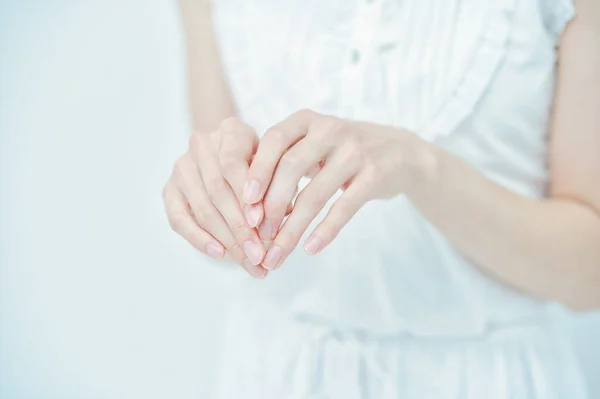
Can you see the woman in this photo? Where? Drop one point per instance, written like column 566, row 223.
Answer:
column 467, row 208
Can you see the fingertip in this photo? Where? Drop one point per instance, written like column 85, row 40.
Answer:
column 265, row 230
column 253, row 215
column 252, row 192
column 273, row 258
column 214, row 250
column 254, row 252
column 260, row 210
column 255, row 271
column 313, row 244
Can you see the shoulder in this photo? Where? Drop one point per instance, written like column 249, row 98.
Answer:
column 557, row 14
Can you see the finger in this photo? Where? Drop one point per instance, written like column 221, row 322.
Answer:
column 325, row 134
column 183, row 223
column 227, row 204
column 238, row 144
column 222, row 196
column 212, row 220
column 267, row 229
column 188, row 179
column 190, row 183
column 310, row 202
column 254, row 214
column 293, row 165
column 340, row 213
column 273, row 145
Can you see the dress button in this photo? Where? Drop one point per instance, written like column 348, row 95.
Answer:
column 355, row 58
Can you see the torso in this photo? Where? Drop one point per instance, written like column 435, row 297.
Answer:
column 474, row 76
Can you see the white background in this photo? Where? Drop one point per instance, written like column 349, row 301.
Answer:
column 98, row 299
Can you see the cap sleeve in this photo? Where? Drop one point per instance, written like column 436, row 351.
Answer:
column 557, row 14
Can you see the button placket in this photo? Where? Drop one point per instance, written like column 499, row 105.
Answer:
column 360, row 51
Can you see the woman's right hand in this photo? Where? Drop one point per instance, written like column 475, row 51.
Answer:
column 203, row 197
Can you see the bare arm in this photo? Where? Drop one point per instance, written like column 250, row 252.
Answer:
column 210, row 99
column 202, row 194
column 550, row 248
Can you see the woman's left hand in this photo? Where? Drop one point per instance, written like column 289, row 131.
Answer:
column 366, row 161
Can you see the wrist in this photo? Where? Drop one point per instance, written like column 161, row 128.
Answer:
column 420, row 165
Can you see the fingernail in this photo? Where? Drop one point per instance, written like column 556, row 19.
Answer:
column 253, row 252
column 251, row 191
column 274, row 256
column 265, row 230
column 252, row 215
column 214, row 250
column 255, row 271
column 313, row 244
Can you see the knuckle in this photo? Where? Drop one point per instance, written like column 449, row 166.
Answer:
column 352, row 154
column 216, row 186
column 227, row 160
column 341, row 212
column 197, row 141
column 328, row 231
column 235, row 249
column 182, row 164
column 276, row 135
column 204, row 216
column 270, row 207
column 200, row 143
column 371, row 172
column 238, row 228
column 305, row 113
column 177, row 222
column 336, row 127
column 311, row 199
column 332, row 128
column 287, row 239
column 291, row 160
column 273, row 209
column 230, row 124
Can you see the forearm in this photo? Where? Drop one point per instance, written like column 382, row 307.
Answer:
column 209, row 95
column 549, row 248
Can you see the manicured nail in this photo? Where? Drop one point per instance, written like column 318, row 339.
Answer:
column 252, row 215
column 313, row 244
column 214, row 250
column 265, row 230
column 253, row 252
column 255, row 271
column 274, row 256
column 252, row 191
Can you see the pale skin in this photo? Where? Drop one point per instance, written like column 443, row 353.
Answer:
column 547, row 247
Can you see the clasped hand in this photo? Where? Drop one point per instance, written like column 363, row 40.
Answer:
column 230, row 192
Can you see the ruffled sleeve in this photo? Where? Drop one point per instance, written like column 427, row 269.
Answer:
column 557, row 14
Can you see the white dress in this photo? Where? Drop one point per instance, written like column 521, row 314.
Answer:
column 390, row 309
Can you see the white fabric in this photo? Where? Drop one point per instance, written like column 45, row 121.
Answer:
column 270, row 355
column 474, row 76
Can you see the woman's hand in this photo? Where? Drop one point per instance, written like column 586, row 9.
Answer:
column 203, row 196
column 366, row 161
